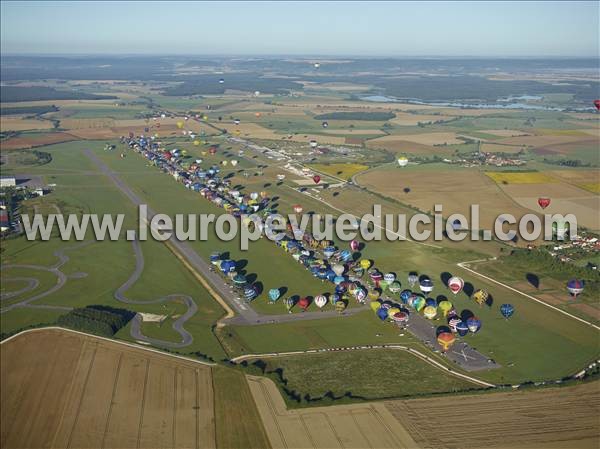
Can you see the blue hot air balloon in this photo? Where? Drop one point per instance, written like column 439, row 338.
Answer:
column 334, row 298
column 431, row 302
column 474, row 324
column 274, row 294
column 462, row 328
column 329, row 251
column 382, row 313
column 405, row 295
column 507, row 310
column 227, row 266
column 338, row 280
column 249, row 293
column 575, row 287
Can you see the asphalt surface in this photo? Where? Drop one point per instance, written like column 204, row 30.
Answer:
column 136, row 332
column 461, row 353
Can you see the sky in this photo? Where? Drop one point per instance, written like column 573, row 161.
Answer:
column 495, row 29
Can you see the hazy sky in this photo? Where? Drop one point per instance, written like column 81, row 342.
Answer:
column 319, row 28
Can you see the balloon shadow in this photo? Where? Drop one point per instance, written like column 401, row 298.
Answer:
column 489, row 301
column 258, row 286
column 442, row 330
column 468, row 288
column 445, row 277
column 466, row 314
column 533, row 279
column 440, row 298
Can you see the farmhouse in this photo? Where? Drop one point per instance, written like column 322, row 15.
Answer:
column 8, row 181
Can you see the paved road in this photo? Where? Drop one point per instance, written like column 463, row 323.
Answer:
column 136, row 332
column 61, row 279
column 466, row 357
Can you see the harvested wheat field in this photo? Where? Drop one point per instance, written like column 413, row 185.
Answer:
column 63, row 389
column 565, row 418
column 404, row 146
column 368, row 425
column 505, row 132
column 18, row 123
column 424, row 139
column 27, row 141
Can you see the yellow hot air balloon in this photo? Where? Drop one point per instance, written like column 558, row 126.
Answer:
column 445, row 307
column 393, row 310
column 237, row 132
column 180, row 125
column 429, row 312
column 375, row 305
column 481, row 296
column 203, row 153
column 365, row 264
column 196, row 143
column 374, row 294
column 205, row 117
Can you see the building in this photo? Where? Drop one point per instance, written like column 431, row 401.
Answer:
column 8, row 181
column 4, row 223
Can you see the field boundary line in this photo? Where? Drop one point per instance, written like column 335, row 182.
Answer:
column 416, row 353
column 464, row 267
column 401, row 237
column 120, row 342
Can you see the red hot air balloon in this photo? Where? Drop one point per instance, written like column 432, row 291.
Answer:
column 597, row 104
column 304, row 303
column 316, row 179
column 298, row 209
column 544, row 202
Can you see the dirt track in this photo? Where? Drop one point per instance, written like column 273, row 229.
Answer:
column 61, row 389
column 342, row 426
column 566, row 418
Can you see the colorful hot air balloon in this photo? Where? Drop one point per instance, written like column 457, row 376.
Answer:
column 340, row 306
column 320, row 301
column 455, row 284
column 394, row 287
column 462, row 328
column 289, row 303
column 404, row 295
column 354, row 245
column 382, row 313
column 575, row 287
column 400, row 317
column 474, row 324
column 446, row 339
column 507, row 310
column 304, row 302
column 429, row 312
column 480, row 296
column 274, row 294
column 453, row 322
column 316, row 179
column 426, row 285
column 544, row 202
column 418, row 303
column 402, row 161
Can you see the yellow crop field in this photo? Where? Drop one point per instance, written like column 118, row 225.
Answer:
column 521, row 178
column 345, row 171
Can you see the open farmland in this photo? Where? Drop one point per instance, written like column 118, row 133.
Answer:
column 432, row 138
column 67, row 390
column 342, row 426
column 15, row 123
column 557, row 418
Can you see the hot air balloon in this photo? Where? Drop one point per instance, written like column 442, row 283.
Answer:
column 221, row 81
column 453, row 322
column 418, row 303
column 375, row 276
column 249, row 293
column 313, row 144
column 324, row 124
column 317, row 65
column 382, row 313
column 455, row 284
column 316, row 179
column 402, row 161
column 180, row 125
column 445, row 307
column 338, row 269
column 426, row 285
column 462, row 328
column 234, row 162
column 289, row 303
column 412, row 279
column 340, row 306
column 404, row 295
column 257, row 114
column 360, row 294
column 480, row 296
column 575, row 287
column 256, row 93
column 394, row 287
column 400, row 317
column 597, row 104
column 544, row 202
column 446, row 339
column 354, row 245
column 212, row 150
column 329, row 251
column 274, row 294
column 507, row 310
column 297, row 209
column 365, row 264
column 320, row 301
column 429, row 312
column 375, row 305
column 474, row 324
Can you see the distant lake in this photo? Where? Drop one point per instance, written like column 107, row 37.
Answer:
column 502, row 103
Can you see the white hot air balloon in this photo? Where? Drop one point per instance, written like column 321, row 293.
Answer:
column 320, row 301
column 455, row 284
column 234, row 162
column 402, row 161
column 338, row 269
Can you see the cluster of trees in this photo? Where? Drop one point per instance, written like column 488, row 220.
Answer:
column 100, row 320
column 247, row 82
column 567, row 162
column 32, row 110
column 357, row 115
column 39, row 93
